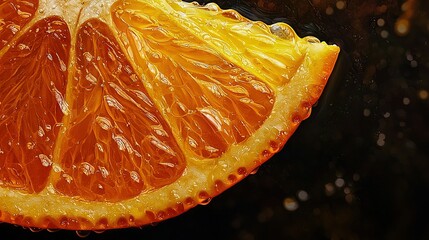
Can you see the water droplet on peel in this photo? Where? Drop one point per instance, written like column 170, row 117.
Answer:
column 254, row 171
column 83, row 234
column 33, row 229
column 204, row 198
column 282, row 30
column 205, row 201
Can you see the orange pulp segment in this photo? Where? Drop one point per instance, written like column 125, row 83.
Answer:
column 121, row 113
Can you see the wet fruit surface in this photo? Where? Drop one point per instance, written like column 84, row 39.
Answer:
column 116, row 144
column 13, row 17
column 213, row 102
column 356, row 169
column 120, row 114
column 33, row 74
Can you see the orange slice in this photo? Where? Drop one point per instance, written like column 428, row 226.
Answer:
column 123, row 113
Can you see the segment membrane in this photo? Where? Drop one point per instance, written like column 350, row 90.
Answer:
column 213, row 102
column 116, row 144
column 33, row 77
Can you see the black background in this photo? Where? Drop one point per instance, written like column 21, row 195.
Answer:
column 369, row 131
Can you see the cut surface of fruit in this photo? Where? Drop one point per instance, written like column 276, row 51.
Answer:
column 123, row 113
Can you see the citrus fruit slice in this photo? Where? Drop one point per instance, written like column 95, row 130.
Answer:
column 122, row 113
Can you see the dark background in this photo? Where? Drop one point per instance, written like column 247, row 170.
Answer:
column 358, row 168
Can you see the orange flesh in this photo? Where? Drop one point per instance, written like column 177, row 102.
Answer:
column 33, row 75
column 14, row 15
column 114, row 142
column 118, row 114
column 212, row 102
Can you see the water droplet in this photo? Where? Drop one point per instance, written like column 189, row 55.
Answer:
column 192, row 142
column 60, row 100
column 123, row 143
column 30, row 145
column 57, row 168
column 135, row 176
column 67, row 177
column 254, row 171
column 40, row 132
column 162, row 146
column 113, row 102
column 311, row 39
column 159, row 130
column 83, row 234
column 33, row 229
column 45, row 160
column 171, row 165
column 14, row 28
column 88, row 56
column 87, row 168
column 204, row 198
column 91, row 78
column 282, row 30
column 104, row 123
column 22, row 46
column 63, row 66
column 103, row 171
